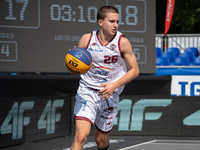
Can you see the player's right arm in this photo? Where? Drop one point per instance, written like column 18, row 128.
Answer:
column 84, row 40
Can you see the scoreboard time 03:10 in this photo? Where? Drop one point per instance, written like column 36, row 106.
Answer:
column 66, row 13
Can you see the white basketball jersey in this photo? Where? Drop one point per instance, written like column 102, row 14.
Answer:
column 108, row 64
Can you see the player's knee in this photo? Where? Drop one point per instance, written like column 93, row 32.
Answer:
column 102, row 143
column 81, row 138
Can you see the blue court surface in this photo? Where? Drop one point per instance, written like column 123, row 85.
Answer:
column 117, row 143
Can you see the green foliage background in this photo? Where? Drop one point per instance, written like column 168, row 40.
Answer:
column 185, row 20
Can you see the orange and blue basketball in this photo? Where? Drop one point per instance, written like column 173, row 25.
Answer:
column 78, row 60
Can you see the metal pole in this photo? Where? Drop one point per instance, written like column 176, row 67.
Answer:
column 165, row 45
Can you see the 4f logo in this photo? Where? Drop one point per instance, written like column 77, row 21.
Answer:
column 15, row 120
column 137, row 117
column 132, row 117
column 49, row 117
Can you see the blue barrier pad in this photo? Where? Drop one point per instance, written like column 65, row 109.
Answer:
column 177, row 71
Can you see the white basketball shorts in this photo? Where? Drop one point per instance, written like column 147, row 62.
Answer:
column 91, row 108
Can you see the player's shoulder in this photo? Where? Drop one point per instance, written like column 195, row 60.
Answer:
column 87, row 35
column 125, row 45
column 124, row 41
column 84, row 40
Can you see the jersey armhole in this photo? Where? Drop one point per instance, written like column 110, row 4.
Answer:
column 120, row 37
column 89, row 40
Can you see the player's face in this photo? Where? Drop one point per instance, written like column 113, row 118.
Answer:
column 110, row 23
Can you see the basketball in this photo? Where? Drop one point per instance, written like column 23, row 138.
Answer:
column 78, row 60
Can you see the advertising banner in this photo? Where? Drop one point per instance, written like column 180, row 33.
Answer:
column 158, row 115
column 185, row 85
column 169, row 14
column 13, row 121
column 33, row 119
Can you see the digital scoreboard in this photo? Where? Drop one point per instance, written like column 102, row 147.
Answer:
column 35, row 35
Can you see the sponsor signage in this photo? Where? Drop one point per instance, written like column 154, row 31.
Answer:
column 33, row 119
column 185, row 85
column 158, row 115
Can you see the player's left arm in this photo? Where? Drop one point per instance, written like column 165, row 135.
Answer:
column 131, row 62
column 132, row 73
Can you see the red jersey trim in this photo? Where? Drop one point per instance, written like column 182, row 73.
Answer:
column 98, row 38
column 89, row 40
column 83, row 118
column 119, row 45
column 106, row 43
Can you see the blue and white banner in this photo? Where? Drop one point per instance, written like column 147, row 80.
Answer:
column 185, row 85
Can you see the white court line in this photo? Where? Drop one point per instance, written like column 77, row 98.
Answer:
column 177, row 142
column 195, row 141
column 185, row 144
column 137, row 145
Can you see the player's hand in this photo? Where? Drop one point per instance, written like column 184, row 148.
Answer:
column 71, row 49
column 107, row 91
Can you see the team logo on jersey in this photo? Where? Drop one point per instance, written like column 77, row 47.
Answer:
column 84, row 103
column 104, row 81
column 101, row 72
column 95, row 50
column 113, row 46
column 93, row 44
column 102, row 67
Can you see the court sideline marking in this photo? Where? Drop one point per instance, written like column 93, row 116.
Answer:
column 170, row 142
column 178, row 142
column 137, row 145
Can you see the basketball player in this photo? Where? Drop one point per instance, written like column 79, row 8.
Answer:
column 97, row 98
